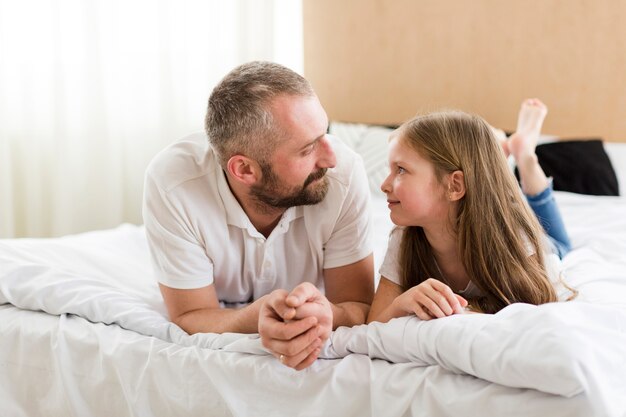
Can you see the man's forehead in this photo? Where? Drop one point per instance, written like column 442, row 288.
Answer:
column 296, row 107
column 301, row 119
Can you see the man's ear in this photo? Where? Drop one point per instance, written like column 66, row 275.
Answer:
column 243, row 169
column 456, row 186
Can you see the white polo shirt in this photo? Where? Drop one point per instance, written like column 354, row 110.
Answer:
column 199, row 235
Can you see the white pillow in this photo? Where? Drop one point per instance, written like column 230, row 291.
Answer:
column 371, row 143
column 617, row 155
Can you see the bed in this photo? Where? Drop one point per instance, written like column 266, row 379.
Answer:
column 84, row 331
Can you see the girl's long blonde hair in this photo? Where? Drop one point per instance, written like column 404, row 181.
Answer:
column 499, row 238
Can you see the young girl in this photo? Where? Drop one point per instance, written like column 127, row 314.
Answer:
column 465, row 231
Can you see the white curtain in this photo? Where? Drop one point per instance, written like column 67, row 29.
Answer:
column 91, row 90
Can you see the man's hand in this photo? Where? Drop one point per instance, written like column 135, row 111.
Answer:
column 308, row 301
column 294, row 326
column 291, row 337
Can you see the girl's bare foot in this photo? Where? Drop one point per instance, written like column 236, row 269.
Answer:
column 523, row 142
column 522, row 146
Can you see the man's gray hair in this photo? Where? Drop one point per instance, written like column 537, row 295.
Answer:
column 238, row 120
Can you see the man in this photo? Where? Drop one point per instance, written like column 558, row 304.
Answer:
column 270, row 213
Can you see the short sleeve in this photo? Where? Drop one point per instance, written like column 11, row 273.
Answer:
column 350, row 240
column 390, row 268
column 178, row 258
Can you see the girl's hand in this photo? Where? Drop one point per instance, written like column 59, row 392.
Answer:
column 430, row 299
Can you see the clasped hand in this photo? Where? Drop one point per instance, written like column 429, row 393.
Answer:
column 294, row 326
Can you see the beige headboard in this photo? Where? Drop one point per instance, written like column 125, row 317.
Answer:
column 383, row 61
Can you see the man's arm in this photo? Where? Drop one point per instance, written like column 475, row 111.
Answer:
column 198, row 311
column 350, row 289
column 349, row 292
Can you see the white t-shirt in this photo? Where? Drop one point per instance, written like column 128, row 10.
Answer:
column 390, row 267
column 199, row 235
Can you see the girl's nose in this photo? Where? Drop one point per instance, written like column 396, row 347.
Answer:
column 385, row 187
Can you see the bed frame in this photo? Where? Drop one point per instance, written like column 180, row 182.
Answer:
column 381, row 62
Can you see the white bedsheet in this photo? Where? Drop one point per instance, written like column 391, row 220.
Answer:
column 561, row 359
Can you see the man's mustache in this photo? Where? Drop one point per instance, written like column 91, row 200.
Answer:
column 315, row 176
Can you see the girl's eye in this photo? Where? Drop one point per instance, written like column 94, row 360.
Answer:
column 401, row 170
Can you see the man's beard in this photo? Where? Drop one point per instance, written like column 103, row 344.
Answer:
column 272, row 193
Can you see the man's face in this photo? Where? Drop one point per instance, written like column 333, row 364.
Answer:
column 274, row 192
column 295, row 173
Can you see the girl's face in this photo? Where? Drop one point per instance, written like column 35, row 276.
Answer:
column 415, row 196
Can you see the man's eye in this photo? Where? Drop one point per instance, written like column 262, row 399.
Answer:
column 308, row 150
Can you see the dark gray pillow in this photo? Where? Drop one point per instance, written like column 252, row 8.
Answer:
column 578, row 166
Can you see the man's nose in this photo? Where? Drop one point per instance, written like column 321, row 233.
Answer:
column 327, row 157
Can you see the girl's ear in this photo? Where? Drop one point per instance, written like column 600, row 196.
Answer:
column 243, row 169
column 456, row 186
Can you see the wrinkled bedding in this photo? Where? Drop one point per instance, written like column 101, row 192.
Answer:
column 86, row 320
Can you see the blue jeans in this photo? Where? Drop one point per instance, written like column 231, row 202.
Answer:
column 547, row 212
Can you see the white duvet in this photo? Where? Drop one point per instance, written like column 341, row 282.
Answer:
column 573, row 350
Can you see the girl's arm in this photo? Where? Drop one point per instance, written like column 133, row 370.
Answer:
column 382, row 309
column 428, row 300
